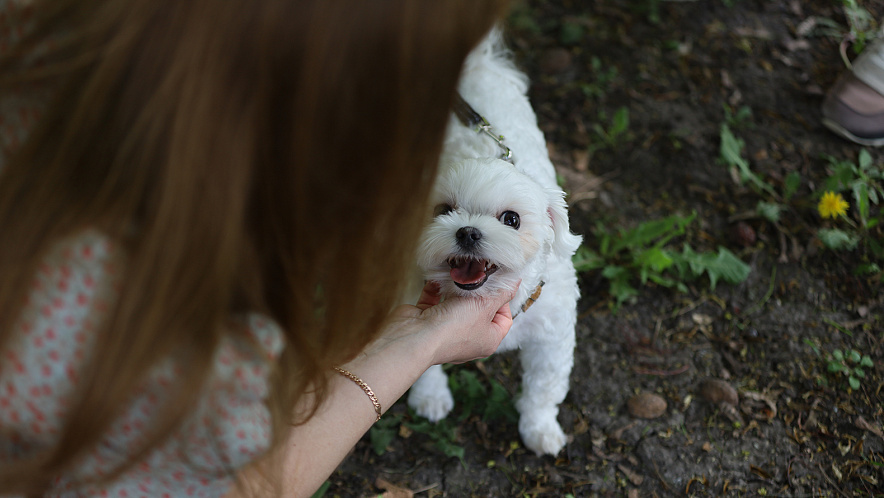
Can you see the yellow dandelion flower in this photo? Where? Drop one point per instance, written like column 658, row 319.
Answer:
column 832, row 205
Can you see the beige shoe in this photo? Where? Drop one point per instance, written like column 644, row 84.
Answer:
column 854, row 107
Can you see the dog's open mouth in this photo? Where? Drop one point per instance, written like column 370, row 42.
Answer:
column 470, row 273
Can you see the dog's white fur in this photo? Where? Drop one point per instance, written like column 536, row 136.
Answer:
column 479, row 188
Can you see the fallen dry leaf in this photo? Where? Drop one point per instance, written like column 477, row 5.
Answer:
column 863, row 424
column 391, row 490
column 632, row 475
column 769, row 412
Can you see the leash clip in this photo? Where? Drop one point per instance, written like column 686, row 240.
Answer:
column 472, row 119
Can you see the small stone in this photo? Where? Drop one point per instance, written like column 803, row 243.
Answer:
column 743, row 234
column 718, row 391
column 646, row 405
column 555, row 60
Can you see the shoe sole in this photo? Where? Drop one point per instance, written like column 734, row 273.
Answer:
column 844, row 133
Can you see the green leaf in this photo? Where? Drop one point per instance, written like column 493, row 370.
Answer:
column 725, row 266
column 791, row 184
column 586, row 259
column 467, row 387
column 622, row 291
column 666, row 282
column 381, row 437
column 873, row 196
column 769, row 210
column 867, row 269
column 854, row 382
column 731, row 152
column 450, row 449
column 650, row 231
column 866, row 361
column 443, row 434
column 854, row 356
column 840, row 328
column 614, row 272
column 604, row 239
column 835, row 239
column 322, row 490
column 620, row 122
column 859, row 373
column 838, row 355
column 682, row 262
column 812, row 346
column 499, row 404
column 743, row 114
column 571, row 33
column 383, row 432
column 422, row 426
column 654, row 258
column 619, row 288
column 861, row 197
column 731, row 148
column 865, row 159
column 841, row 177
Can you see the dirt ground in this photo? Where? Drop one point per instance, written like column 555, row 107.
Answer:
column 681, row 68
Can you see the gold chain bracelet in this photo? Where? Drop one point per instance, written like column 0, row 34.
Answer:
column 362, row 385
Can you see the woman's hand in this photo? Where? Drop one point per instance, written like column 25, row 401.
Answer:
column 414, row 338
column 456, row 330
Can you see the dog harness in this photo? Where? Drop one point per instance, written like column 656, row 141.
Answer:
column 531, row 299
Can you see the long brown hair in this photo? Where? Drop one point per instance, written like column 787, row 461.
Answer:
column 268, row 156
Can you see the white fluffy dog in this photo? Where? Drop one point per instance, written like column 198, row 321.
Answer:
column 496, row 223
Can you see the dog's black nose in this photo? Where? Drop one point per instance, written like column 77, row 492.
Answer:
column 468, row 237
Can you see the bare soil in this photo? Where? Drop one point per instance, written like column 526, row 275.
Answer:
column 795, row 429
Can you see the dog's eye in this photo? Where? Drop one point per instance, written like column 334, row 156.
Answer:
column 510, row 219
column 442, row 209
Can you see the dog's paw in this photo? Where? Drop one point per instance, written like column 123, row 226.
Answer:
column 433, row 406
column 543, row 435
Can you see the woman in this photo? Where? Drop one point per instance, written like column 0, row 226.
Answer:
column 216, row 209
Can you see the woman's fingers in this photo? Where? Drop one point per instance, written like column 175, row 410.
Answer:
column 503, row 318
column 430, row 296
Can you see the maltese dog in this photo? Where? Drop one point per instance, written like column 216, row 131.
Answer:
column 497, row 222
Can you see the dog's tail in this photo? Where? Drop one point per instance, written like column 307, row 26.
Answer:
column 492, row 53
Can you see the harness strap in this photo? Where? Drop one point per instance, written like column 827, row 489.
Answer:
column 531, row 299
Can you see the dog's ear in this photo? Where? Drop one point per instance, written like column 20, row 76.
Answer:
column 564, row 242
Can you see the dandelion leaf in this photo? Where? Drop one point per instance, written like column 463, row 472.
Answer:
column 791, row 184
column 769, row 210
column 620, row 288
column 723, row 265
column 586, row 259
column 381, row 436
column 499, row 405
column 834, row 238
column 468, row 389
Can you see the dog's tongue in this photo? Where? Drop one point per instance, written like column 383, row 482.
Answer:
column 468, row 272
